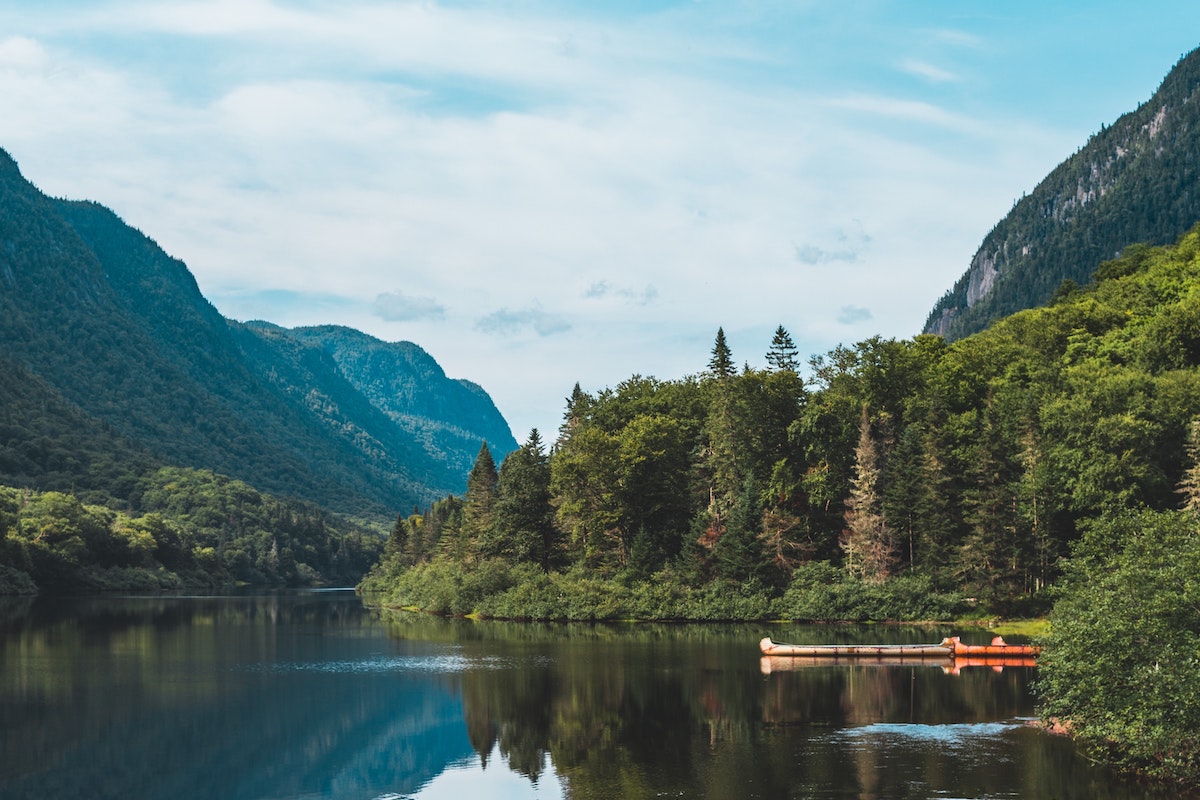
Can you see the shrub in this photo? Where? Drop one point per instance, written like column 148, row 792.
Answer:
column 1122, row 661
column 821, row 591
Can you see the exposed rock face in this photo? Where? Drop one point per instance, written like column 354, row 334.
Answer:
column 983, row 274
column 1137, row 181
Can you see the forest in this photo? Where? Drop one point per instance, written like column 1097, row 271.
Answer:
column 187, row 529
column 1049, row 464
column 899, row 479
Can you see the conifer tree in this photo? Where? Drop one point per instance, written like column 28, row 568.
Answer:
column 867, row 540
column 720, row 462
column 1189, row 486
column 739, row 551
column 783, row 354
column 578, row 405
column 721, row 363
column 478, row 506
column 523, row 527
column 397, row 551
column 397, row 542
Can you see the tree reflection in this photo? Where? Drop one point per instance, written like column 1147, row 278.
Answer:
column 649, row 709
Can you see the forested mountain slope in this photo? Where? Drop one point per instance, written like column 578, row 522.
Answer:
column 118, row 336
column 1133, row 182
column 448, row 418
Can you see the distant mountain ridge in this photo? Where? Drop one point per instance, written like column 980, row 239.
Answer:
column 113, row 327
column 1133, row 182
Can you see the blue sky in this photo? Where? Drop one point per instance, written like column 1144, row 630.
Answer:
column 541, row 193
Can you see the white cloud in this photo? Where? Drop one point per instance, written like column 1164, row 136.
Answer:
column 400, row 307
column 506, row 322
column 21, row 54
column 851, row 315
column 645, row 181
column 928, row 71
column 923, row 112
column 638, row 297
column 844, row 244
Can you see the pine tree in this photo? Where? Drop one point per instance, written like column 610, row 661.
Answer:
column 1189, row 485
column 988, row 562
column 578, row 406
column 396, row 550
column 721, row 363
column 739, row 551
column 523, row 527
column 783, row 354
column 867, row 540
column 478, row 506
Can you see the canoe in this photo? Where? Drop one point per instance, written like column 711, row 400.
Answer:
column 998, row 647
column 951, row 665
column 947, row 648
column 943, row 650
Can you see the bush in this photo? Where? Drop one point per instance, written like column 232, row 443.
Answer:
column 496, row 589
column 820, row 591
column 15, row 582
column 1122, row 661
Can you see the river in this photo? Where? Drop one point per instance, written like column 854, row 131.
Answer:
column 311, row 696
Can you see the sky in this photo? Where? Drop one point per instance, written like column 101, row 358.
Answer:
column 544, row 193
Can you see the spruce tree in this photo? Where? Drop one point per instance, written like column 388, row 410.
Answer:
column 1189, row 486
column 721, row 363
column 783, row 354
column 867, row 541
column 523, row 527
column 478, row 506
column 739, row 551
column 578, row 406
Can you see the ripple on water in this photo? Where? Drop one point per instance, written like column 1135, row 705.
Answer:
column 433, row 664
column 948, row 736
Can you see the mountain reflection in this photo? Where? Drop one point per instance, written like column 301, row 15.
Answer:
column 313, row 697
column 256, row 697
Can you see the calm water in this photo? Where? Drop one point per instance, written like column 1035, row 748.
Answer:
column 312, row 696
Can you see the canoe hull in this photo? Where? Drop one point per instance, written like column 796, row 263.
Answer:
column 997, row 649
column 947, row 648
column 951, row 665
column 770, row 648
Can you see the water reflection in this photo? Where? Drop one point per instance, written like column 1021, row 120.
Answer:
column 474, row 778
column 284, row 696
column 651, row 711
column 311, row 696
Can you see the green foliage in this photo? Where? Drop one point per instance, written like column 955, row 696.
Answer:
column 496, row 588
column 1133, row 182
column 114, row 364
column 523, row 530
column 969, row 474
column 721, row 363
column 783, row 354
column 822, row 591
column 1122, row 661
column 192, row 529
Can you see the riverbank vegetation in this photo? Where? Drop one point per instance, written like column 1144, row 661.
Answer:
column 191, row 530
column 1042, row 462
column 964, row 469
column 1122, row 663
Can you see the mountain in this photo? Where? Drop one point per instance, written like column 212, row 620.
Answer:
column 409, row 386
column 110, row 350
column 1133, row 182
